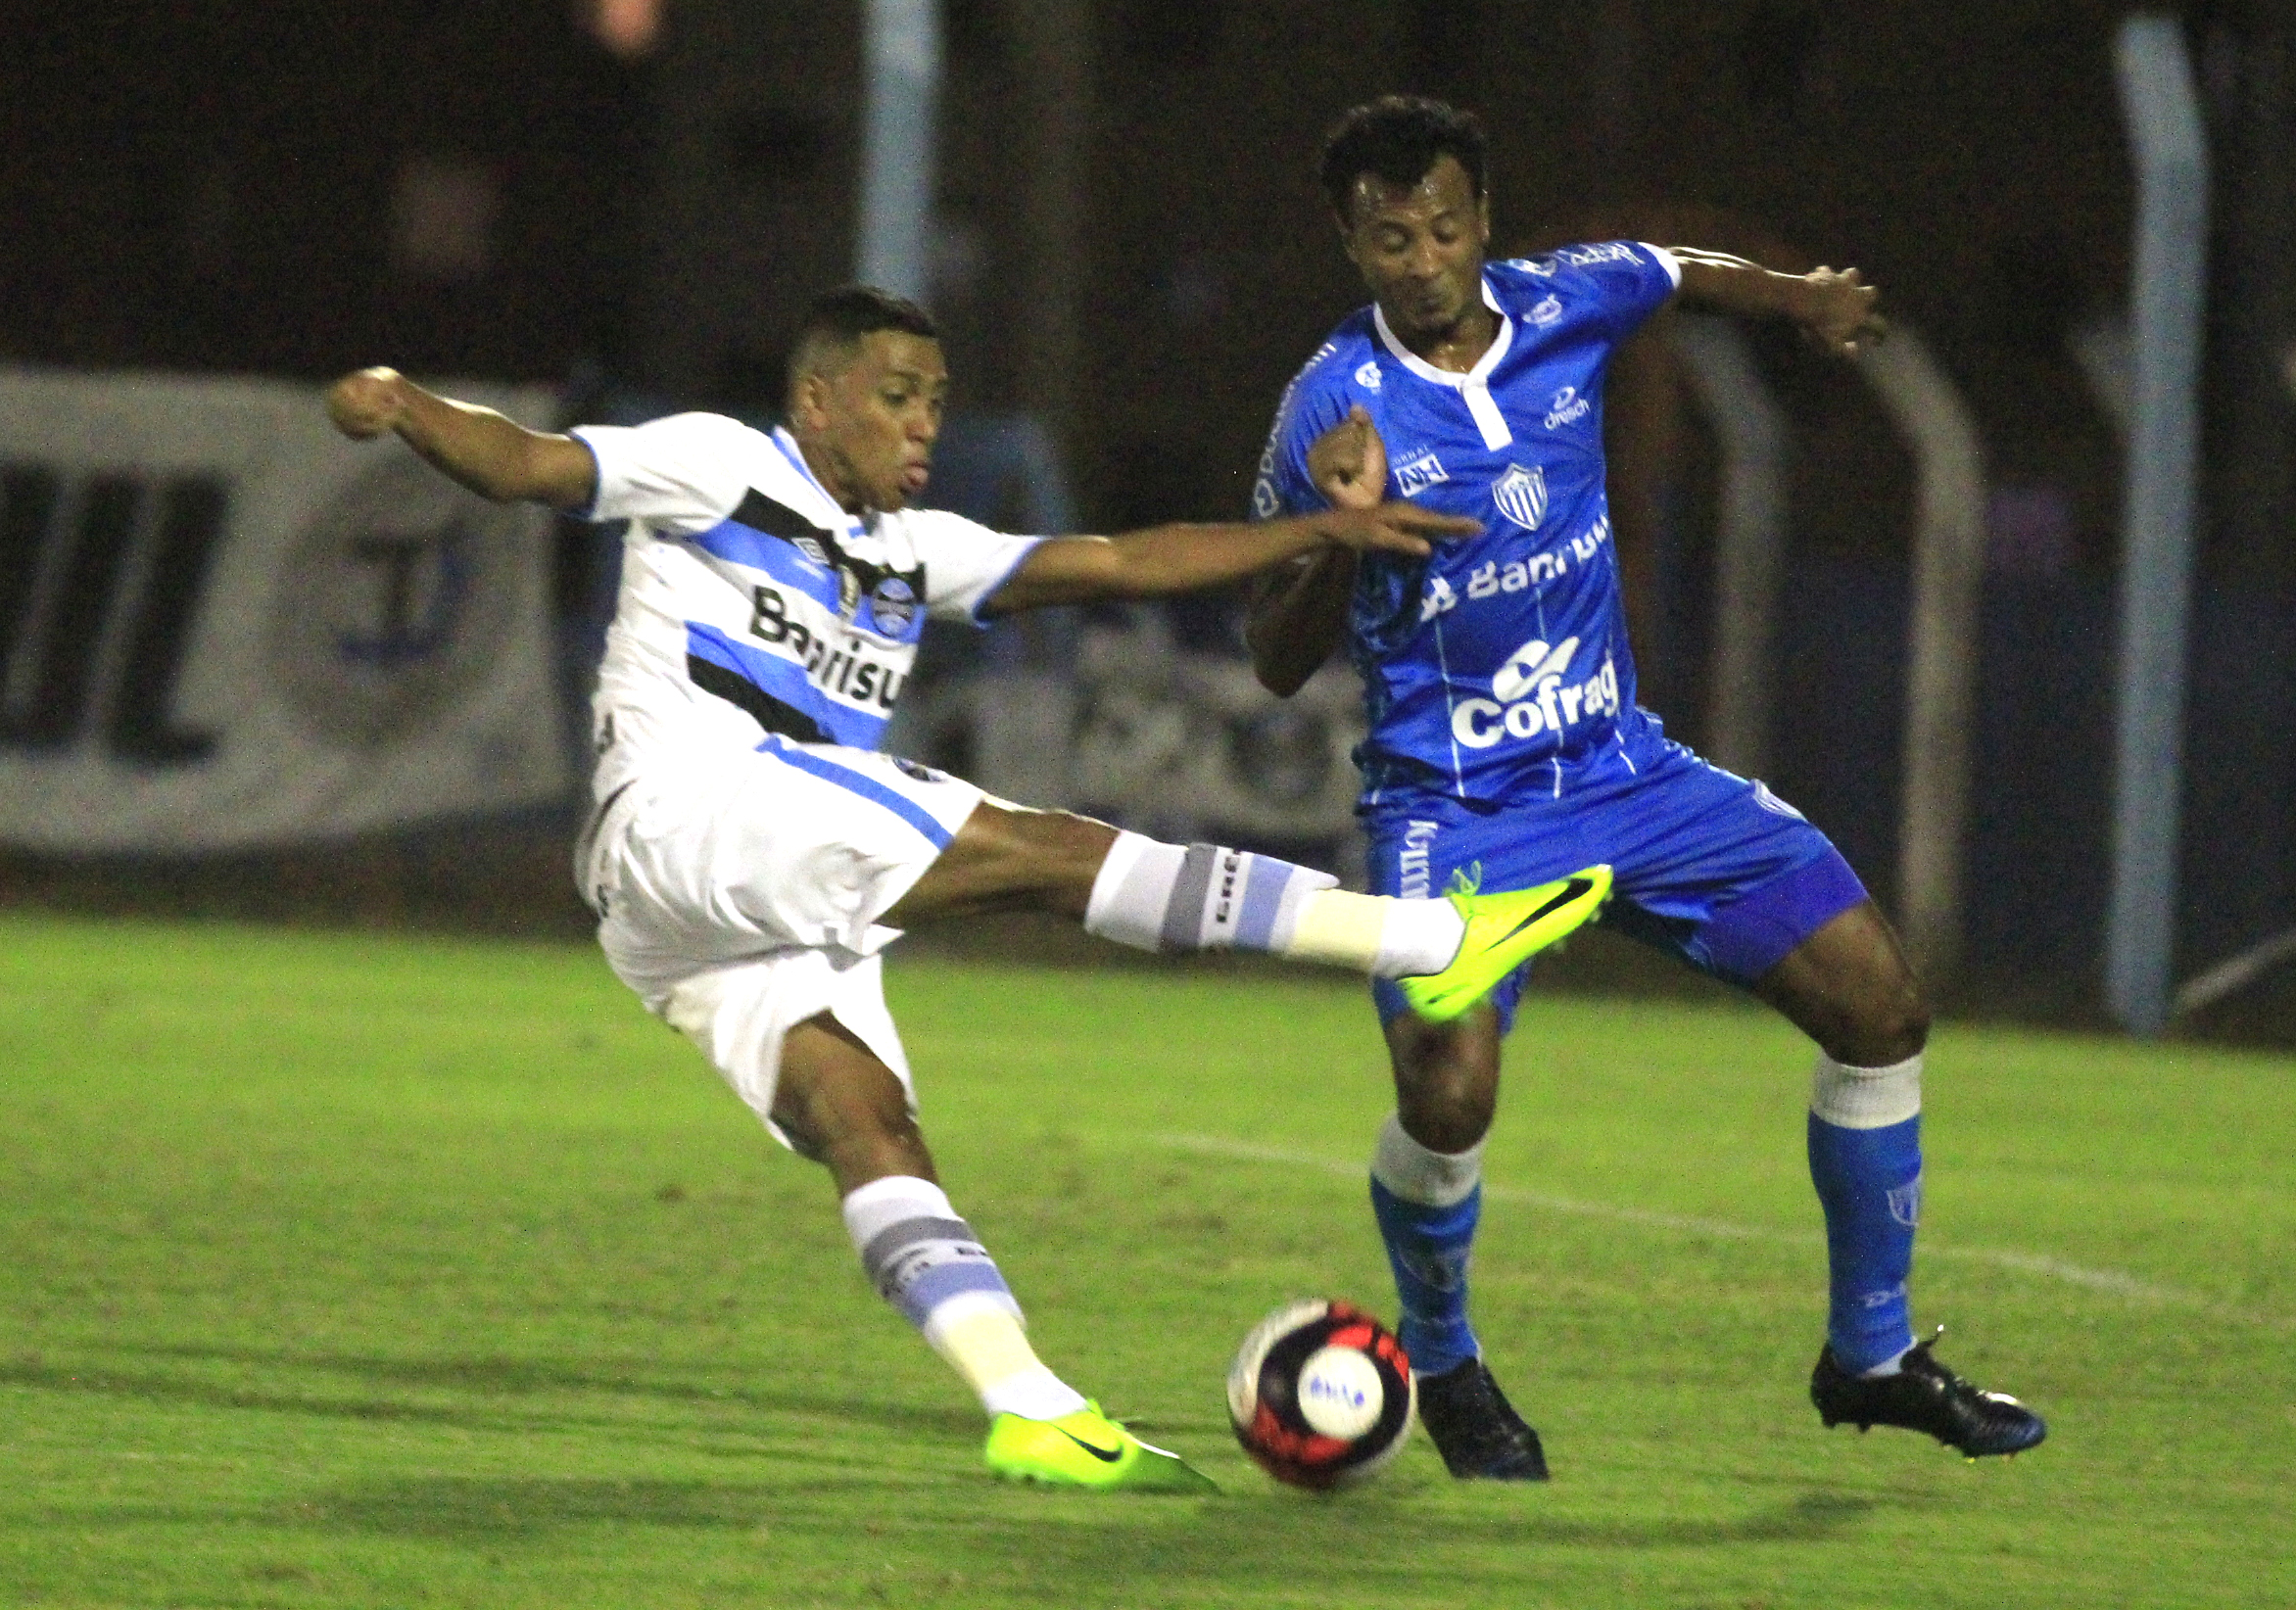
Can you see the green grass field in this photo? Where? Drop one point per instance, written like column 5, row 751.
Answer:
column 363, row 1271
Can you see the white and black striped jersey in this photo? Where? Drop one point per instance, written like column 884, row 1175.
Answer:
column 753, row 603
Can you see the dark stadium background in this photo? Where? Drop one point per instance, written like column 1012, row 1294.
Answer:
column 1133, row 249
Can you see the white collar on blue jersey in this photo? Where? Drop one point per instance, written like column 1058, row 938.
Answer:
column 1479, row 375
column 1475, row 386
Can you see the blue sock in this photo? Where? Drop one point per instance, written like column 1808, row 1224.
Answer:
column 1865, row 1160
column 1427, row 1204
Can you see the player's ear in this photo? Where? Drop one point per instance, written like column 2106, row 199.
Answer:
column 807, row 404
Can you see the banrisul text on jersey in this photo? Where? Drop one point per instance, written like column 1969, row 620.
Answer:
column 752, row 604
column 1499, row 665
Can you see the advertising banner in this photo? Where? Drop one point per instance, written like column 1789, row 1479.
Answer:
column 222, row 626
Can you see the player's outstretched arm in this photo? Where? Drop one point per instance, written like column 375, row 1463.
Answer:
column 1299, row 609
column 496, row 458
column 1835, row 305
column 1181, row 558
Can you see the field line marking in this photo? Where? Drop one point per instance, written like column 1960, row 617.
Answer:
column 2115, row 1281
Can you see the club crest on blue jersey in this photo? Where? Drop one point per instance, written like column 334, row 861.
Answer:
column 1521, row 496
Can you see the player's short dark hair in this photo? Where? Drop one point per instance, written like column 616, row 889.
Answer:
column 1398, row 139
column 837, row 320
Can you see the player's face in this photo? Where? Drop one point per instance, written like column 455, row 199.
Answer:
column 868, row 429
column 1419, row 247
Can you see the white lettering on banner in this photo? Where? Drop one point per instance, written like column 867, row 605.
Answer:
column 1416, row 475
column 1529, row 697
column 1419, row 839
column 1569, row 408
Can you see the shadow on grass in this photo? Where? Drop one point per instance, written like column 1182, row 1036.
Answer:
column 502, row 1380
column 1052, row 1532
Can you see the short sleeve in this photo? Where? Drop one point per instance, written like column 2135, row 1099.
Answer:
column 680, row 474
column 1625, row 281
column 965, row 563
column 1309, row 408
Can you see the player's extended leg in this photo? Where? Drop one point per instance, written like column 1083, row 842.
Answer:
column 1427, row 1196
column 838, row 1102
column 1848, row 987
column 1170, row 897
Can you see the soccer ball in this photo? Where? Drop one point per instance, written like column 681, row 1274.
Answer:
column 1321, row 1395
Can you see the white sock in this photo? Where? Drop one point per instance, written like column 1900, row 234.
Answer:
column 1416, row 1173
column 1156, row 896
column 926, row 1262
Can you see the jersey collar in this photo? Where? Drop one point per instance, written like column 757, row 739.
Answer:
column 1473, row 387
column 1479, row 375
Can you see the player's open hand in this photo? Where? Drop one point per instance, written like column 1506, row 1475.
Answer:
column 1394, row 528
column 1349, row 462
column 1837, row 311
column 367, row 403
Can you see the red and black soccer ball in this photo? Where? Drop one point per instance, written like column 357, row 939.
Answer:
column 1321, row 1395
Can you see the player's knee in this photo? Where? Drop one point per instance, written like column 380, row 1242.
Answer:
column 1887, row 1024
column 1446, row 1082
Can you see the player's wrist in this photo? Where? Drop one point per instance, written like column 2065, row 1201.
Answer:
column 1808, row 299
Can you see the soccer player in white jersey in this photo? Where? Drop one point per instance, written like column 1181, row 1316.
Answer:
column 751, row 852
column 1506, row 746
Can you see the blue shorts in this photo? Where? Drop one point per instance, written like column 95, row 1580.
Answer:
column 1710, row 868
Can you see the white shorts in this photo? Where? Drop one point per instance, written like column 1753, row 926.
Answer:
column 741, row 896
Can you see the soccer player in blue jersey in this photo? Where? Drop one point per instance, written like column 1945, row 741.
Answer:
column 1506, row 747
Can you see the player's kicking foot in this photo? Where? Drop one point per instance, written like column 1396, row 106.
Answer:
column 1476, row 1429
column 1925, row 1395
column 1505, row 930
column 1088, row 1449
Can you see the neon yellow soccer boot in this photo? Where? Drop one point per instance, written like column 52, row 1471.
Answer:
column 1505, row 930
column 1088, row 1449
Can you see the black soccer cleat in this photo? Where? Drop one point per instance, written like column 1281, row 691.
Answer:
column 1925, row 1395
column 1476, row 1429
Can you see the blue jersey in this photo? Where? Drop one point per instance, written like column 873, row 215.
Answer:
column 1499, row 666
